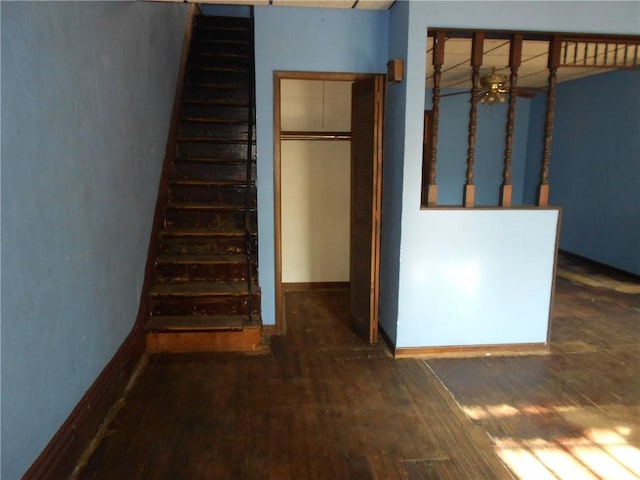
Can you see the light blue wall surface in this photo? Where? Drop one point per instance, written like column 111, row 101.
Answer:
column 415, row 323
column 489, row 148
column 392, row 172
column 319, row 40
column 595, row 167
column 87, row 92
column 477, row 277
column 352, row 41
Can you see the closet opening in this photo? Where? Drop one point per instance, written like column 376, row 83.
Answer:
column 327, row 188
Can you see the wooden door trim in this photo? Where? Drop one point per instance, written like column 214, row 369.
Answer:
column 278, row 76
column 377, row 206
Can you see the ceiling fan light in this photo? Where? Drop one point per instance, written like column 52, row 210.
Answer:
column 489, row 98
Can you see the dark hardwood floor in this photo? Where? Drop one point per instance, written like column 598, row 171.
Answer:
column 323, row 404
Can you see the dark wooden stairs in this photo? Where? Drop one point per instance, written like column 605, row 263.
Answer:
column 206, row 295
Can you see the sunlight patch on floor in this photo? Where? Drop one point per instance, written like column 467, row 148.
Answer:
column 600, row 454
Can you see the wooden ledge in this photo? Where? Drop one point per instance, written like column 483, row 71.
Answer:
column 473, row 351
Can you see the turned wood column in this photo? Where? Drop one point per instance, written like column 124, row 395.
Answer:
column 553, row 63
column 431, row 193
column 476, row 63
column 515, row 59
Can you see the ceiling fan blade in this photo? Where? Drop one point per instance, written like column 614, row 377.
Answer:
column 529, row 92
column 466, row 92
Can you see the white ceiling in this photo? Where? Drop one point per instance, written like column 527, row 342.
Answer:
column 533, row 72
column 357, row 4
column 456, row 72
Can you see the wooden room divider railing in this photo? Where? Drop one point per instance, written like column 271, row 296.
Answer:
column 564, row 50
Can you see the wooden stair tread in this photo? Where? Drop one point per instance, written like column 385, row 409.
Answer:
column 201, row 289
column 196, row 322
column 214, row 183
column 213, row 140
column 200, row 232
column 222, row 54
column 214, row 120
column 213, row 84
column 222, row 207
column 197, row 159
column 203, row 259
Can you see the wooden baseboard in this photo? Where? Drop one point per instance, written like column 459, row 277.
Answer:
column 269, row 330
column 63, row 451
column 472, row 351
column 297, row 286
column 248, row 340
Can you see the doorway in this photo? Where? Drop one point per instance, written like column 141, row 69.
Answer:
column 315, row 189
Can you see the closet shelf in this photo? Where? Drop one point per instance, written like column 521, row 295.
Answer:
column 296, row 135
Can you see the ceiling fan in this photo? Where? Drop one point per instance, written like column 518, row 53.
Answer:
column 493, row 89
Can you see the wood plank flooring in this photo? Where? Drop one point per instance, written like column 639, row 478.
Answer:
column 321, row 405
column 574, row 414
column 324, row 405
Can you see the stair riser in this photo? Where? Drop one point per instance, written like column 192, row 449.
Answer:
column 205, row 62
column 176, row 217
column 221, row 34
column 211, row 194
column 221, row 48
column 231, row 132
column 205, row 245
column 233, row 305
column 212, row 171
column 206, row 77
column 232, row 96
column 203, row 272
column 227, row 109
column 223, row 23
column 214, row 150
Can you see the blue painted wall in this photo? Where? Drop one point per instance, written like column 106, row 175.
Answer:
column 419, row 229
column 87, row 92
column 392, row 172
column 595, row 167
column 303, row 39
column 489, row 149
column 356, row 41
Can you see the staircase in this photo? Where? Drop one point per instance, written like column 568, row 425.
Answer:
column 206, row 296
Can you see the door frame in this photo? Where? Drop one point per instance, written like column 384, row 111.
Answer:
column 278, row 76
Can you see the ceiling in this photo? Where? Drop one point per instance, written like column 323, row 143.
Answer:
column 456, row 72
column 533, row 72
column 357, row 4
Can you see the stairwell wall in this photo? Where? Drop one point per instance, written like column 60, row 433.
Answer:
column 87, row 93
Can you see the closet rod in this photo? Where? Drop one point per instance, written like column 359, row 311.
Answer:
column 295, row 135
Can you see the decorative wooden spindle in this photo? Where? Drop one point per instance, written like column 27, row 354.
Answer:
column 515, row 58
column 553, row 63
column 431, row 193
column 476, row 62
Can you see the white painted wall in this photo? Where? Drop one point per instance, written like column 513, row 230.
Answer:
column 315, row 211
column 315, row 195
column 315, row 105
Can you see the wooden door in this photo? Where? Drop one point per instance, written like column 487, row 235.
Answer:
column 366, row 199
